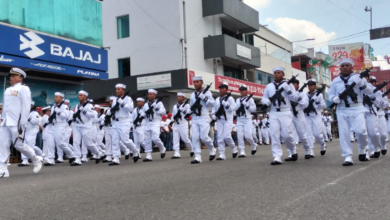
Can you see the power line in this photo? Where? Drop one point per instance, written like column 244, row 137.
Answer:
column 345, row 16
column 347, row 11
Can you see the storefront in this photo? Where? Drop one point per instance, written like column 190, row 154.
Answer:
column 51, row 63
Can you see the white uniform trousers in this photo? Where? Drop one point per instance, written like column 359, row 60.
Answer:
column 265, row 135
column 121, row 132
column 372, row 131
column 315, row 128
column 299, row 123
column 8, row 135
column 30, row 139
column 60, row 152
column 48, row 144
column 382, row 128
column 352, row 120
column 351, row 136
column 99, row 139
column 225, row 137
column 388, row 126
column 254, row 134
column 60, row 138
column 83, row 135
column 181, row 132
column 324, row 133
column 139, row 137
column 281, row 126
column 200, row 127
column 108, row 139
column 244, row 126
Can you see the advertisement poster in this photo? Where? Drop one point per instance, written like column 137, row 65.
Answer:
column 354, row 51
column 42, row 92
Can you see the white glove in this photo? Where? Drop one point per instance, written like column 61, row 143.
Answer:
column 214, row 117
column 181, row 108
column 359, row 82
column 108, row 113
column 286, row 87
column 56, row 109
column 266, row 102
column 201, row 96
column 154, row 104
column 142, row 114
column 244, row 102
column 336, row 100
column 247, row 104
column 224, row 103
column 120, row 101
column 81, row 108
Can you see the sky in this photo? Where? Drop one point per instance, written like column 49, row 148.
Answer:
column 330, row 22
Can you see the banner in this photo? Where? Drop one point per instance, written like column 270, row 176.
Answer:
column 42, row 92
column 354, row 51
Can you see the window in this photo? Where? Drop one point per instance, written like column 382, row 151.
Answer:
column 123, row 26
column 249, row 39
column 263, row 78
column 232, row 34
column 124, row 67
column 268, row 48
column 233, row 72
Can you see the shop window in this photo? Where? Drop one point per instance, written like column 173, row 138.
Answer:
column 123, row 26
column 263, row 78
column 124, row 67
column 233, row 72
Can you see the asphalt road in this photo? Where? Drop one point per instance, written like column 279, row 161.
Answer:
column 241, row 188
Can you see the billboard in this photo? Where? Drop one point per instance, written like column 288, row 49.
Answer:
column 354, row 51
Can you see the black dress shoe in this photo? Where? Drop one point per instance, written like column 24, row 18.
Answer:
column 191, row 154
column 194, row 162
column 131, row 154
column 276, row 162
column 71, row 160
column 241, row 156
column 59, row 161
column 113, row 163
column 211, row 157
column 162, row 155
column 294, row 157
column 220, row 158
column 127, row 156
column 23, row 165
column 331, row 139
column 288, row 159
column 254, row 152
column 74, row 164
column 307, row 156
column 375, row 155
column 175, row 157
column 347, row 163
column 235, row 155
column 92, row 158
column 362, row 157
column 383, row 152
column 323, row 152
column 106, row 161
column 97, row 160
column 147, row 160
column 135, row 159
column 48, row 164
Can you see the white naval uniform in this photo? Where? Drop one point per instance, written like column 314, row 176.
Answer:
column 152, row 128
column 382, row 124
column 139, row 129
column 314, row 124
column 99, row 122
column 245, row 124
column 299, row 122
column 108, row 138
column 254, row 131
column 200, row 125
column 280, row 118
column 225, row 125
column 16, row 110
column 48, row 143
column 68, row 134
column 121, row 128
column 180, row 129
column 372, row 121
column 263, row 131
column 82, row 132
column 351, row 119
column 32, row 129
column 328, row 125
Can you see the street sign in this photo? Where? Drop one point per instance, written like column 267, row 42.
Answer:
column 379, row 33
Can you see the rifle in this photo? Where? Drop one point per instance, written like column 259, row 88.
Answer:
column 150, row 111
column 367, row 101
column 53, row 116
column 310, row 108
column 138, row 120
column 116, row 106
column 196, row 108
column 386, row 93
column 78, row 113
column 349, row 91
column 221, row 110
column 278, row 95
column 302, row 88
column 178, row 114
column 241, row 110
column 101, row 113
column 380, row 86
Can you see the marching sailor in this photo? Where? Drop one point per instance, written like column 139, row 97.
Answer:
column 139, row 124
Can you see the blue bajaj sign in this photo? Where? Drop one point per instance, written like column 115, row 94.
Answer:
column 25, row 43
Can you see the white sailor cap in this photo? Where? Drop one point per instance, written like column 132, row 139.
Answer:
column 112, row 98
column 278, row 68
column 224, row 84
column 181, row 94
column 346, row 60
column 325, row 111
column 83, row 92
column 197, row 78
column 311, row 82
column 372, row 79
column 153, row 91
column 243, row 87
column 267, row 114
column 97, row 106
column 261, row 115
column 120, row 85
column 59, row 94
column 17, row 71
column 46, row 108
column 90, row 100
column 140, row 99
column 67, row 100
column 32, row 102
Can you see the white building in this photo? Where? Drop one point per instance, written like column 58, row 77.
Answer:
column 162, row 44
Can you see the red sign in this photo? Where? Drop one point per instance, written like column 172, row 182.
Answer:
column 234, row 84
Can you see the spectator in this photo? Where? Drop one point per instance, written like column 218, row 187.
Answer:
column 164, row 131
